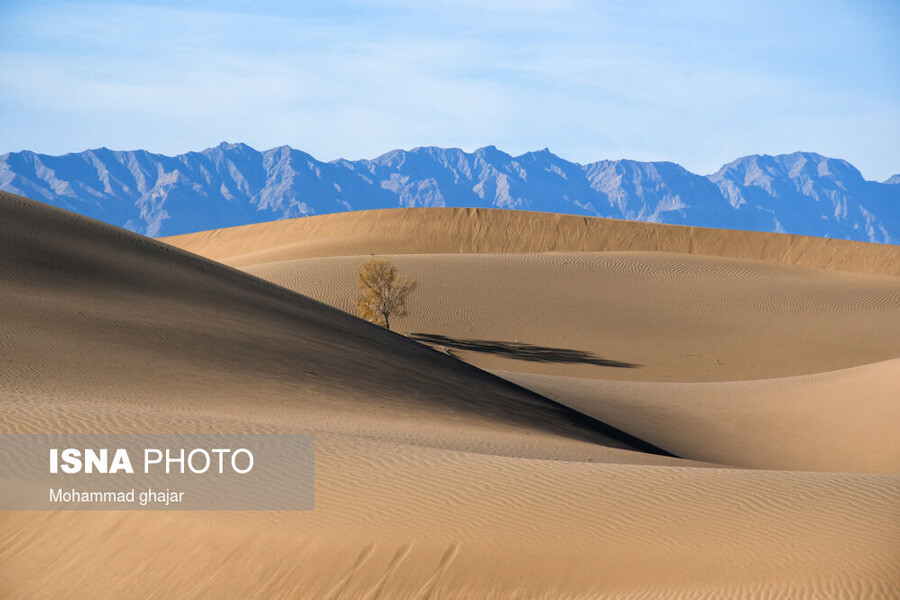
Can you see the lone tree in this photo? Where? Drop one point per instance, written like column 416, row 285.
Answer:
column 381, row 295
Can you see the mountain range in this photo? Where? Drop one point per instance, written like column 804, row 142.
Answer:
column 234, row 184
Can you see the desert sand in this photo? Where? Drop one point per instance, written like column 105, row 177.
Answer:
column 794, row 368
column 437, row 479
column 479, row 230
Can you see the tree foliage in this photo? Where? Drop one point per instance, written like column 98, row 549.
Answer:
column 381, row 295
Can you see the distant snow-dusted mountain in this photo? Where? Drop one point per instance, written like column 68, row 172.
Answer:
column 233, row 184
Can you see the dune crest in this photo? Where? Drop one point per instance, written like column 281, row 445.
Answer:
column 481, row 230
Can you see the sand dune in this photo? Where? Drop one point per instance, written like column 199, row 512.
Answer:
column 410, row 522
column 478, row 230
column 94, row 310
column 837, row 421
column 797, row 353
column 678, row 317
column 433, row 479
column 778, row 366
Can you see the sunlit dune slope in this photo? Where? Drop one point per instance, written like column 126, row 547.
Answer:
column 651, row 316
column 478, row 230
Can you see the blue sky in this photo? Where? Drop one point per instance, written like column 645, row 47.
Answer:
column 698, row 83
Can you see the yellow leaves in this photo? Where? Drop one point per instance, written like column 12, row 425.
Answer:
column 381, row 294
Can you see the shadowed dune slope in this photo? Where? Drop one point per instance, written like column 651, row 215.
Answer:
column 477, row 230
column 433, row 479
column 86, row 304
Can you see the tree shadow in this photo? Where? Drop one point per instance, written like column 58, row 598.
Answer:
column 522, row 351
